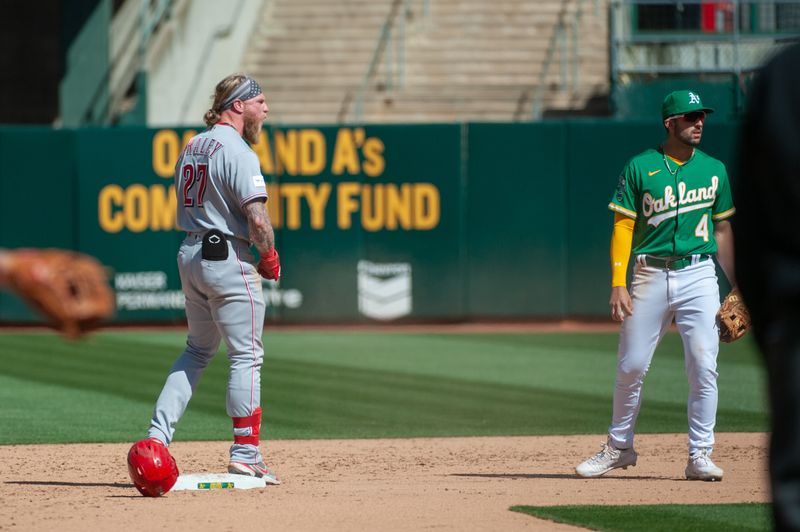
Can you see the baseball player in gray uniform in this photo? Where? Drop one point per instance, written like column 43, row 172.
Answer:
column 221, row 206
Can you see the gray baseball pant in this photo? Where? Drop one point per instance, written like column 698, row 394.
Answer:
column 224, row 300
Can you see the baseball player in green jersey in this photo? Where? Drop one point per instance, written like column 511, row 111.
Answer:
column 671, row 207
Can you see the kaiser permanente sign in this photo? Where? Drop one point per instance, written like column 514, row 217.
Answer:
column 336, row 178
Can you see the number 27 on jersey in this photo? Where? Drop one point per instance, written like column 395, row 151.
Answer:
column 194, row 174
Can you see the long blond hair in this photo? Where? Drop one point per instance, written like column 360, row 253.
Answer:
column 221, row 92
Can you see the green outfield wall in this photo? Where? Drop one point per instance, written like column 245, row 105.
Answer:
column 374, row 223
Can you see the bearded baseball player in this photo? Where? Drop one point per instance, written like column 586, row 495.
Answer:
column 671, row 207
column 221, row 206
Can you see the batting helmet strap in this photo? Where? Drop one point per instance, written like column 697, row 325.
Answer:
column 152, row 469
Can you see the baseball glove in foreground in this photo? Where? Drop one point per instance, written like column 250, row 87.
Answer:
column 71, row 289
column 733, row 317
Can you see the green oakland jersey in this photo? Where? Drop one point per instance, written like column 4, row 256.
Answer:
column 675, row 206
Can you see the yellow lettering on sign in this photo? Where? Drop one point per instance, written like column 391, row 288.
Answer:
column 166, row 148
column 346, row 204
column 292, row 192
column 374, row 163
column 372, row 211
column 109, row 199
column 427, row 207
column 163, row 207
column 409, row 206
column 345, row 157
column 317, row 200
column 264, row 153
column 380, row 206
column 398, row 206
column 359, row 136
column 274, row 205
column 286, row 151
column 312, row 152
column 136, row 208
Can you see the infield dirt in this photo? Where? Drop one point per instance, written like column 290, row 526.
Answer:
column 407, row 484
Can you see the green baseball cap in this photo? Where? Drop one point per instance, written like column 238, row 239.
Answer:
column 682, row 102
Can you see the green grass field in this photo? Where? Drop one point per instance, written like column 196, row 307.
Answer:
column 324, row 384
column 659, row 518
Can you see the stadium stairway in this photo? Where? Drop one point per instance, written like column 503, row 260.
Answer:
column 310, row 54
column 463, row 60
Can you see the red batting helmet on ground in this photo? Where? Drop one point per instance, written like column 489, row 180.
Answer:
column 152, row 469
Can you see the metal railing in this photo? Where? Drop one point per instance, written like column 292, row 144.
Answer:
column 130, row 34
column 151, row 13
column 654, row 43
column 390, row 50
column 652, row 37
column 222, row 31
column 385, row 41
column 565, row 41
column 124, row 37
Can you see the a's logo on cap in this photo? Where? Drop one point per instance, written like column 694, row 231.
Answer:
column 694, row 98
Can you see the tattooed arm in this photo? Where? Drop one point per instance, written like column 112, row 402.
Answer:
column 261, row 233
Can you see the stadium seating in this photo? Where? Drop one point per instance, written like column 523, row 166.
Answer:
column 309, row 54
column 463, row 59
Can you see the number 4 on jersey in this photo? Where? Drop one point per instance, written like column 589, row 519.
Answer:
column 190, row 177
column 702, row 228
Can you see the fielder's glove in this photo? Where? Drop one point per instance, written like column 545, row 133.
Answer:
column 733, row 317
column 69, row 288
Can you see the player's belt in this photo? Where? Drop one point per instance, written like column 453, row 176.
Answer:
column 672, row 263
column 199, row 236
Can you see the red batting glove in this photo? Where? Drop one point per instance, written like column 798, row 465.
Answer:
column 270, row 265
